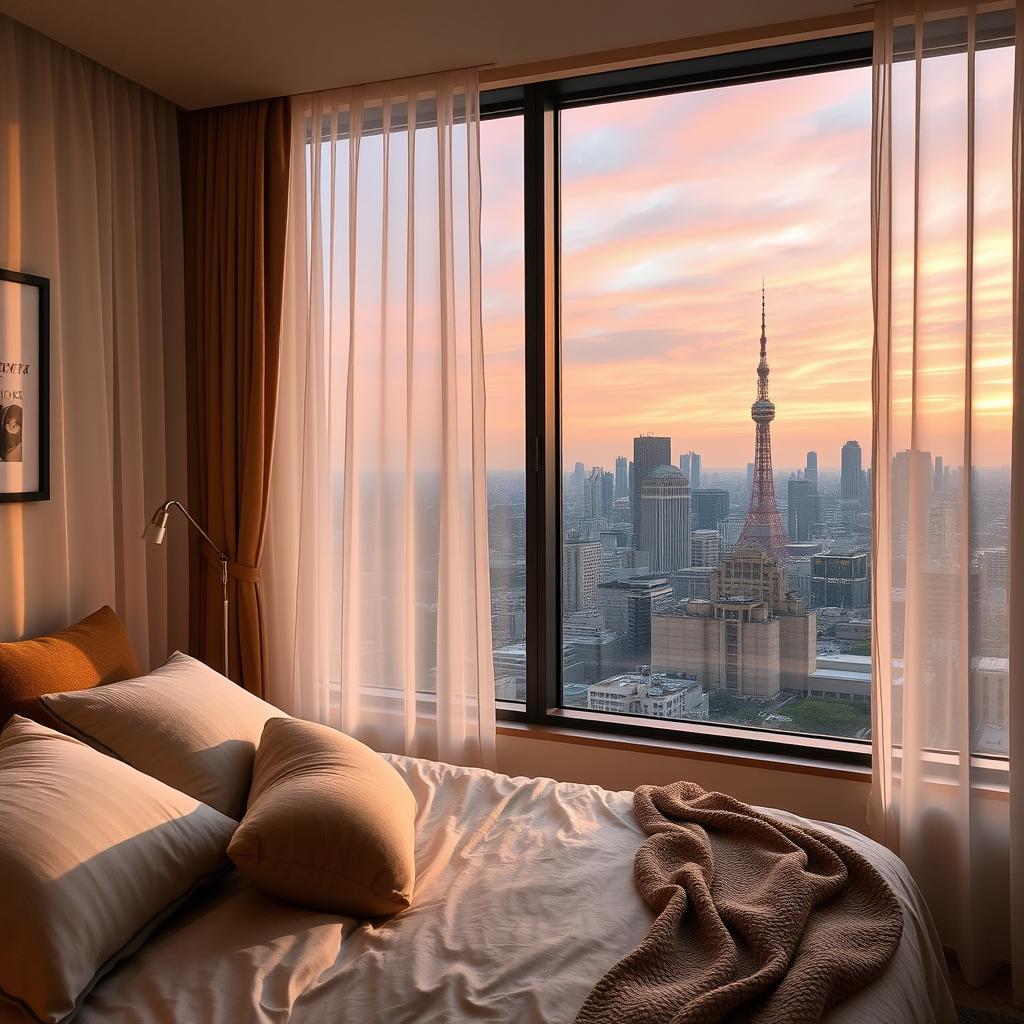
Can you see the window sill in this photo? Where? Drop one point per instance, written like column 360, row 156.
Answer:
column 570, row 731
column 820, row 756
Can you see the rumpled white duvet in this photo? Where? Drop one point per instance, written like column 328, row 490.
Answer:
column 524, row 898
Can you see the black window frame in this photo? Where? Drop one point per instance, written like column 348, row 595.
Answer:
column 540, row 105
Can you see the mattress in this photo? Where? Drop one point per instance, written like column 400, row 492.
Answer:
column 524, row 898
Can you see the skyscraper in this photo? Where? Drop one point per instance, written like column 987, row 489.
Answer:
column 665, row 519
column 704, row 548
column 811, row 470
column 579, row 474
column 592, row 494
column 581, row 573
column 763, row 529
column 627, row 606
column 849, row 484
column 689, row 463
column 802, row 501
column 648, row 454
column 939, row 481
column 598, row 494
column 710, row 506
column 911, row 473
column 622, row 477
column 841, row 581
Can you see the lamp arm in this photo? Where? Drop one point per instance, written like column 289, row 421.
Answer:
column 224, row 560
column 222, row 555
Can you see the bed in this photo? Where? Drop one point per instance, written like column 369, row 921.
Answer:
column 524, row 898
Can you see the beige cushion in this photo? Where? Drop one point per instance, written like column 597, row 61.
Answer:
column 330, row 825
column 93, row 856
column 184, row 724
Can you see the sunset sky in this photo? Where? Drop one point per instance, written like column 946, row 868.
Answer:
column 673, row 210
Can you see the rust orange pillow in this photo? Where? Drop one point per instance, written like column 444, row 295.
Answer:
column 93, row 651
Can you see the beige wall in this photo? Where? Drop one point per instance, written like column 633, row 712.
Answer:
column 826, row 796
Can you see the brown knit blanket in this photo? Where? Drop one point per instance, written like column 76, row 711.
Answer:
column 758, row 919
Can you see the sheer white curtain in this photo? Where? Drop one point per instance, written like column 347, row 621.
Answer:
column 376, row 559
column 90, row 197
column 945, row 715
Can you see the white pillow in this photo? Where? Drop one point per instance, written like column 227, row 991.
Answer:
column 93, row 856
column 184, row 724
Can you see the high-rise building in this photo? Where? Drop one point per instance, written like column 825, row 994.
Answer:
column 750, row 638
column 908, row 467
column 729, row 529
column 811, row 469
column 627, row 606
column 599, row 648
column 689, row 463
column 943, row 529
column 581, row 573
column 598, row 494
column 849, row 481
column 840, row 581
column 665, row 519
column 939, row 476
column 763, row 529
column 995, row 568
column 802, row 508
column 622, row 477
column 710, row 507
column 649, row 453
column 592, row 494
column 579, row 475
column 704, row 548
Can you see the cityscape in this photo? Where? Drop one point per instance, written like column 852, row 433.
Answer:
column 667, row 226
column 744, row 597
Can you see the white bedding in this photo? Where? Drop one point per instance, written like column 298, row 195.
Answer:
column 524, row 898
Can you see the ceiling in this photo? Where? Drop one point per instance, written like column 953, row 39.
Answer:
column 201, row 53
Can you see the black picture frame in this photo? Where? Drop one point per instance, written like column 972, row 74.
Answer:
column 41, row 363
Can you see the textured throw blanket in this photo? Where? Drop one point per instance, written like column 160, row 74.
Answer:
column 758, row 919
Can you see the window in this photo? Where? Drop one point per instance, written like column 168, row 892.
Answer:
column 730, row 545
column 694, row 490
column 501, row 171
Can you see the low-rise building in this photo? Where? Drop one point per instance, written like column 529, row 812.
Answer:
column 652, row 694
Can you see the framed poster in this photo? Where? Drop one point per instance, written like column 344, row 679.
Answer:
column 24, row 387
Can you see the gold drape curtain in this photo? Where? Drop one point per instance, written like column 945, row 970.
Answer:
column 235, row 186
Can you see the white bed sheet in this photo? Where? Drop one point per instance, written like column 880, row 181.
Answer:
column 524, row 898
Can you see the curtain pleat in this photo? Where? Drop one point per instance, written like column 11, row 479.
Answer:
column 90, row 197
column 946, row 481
column 377, row 572
column 236, row 209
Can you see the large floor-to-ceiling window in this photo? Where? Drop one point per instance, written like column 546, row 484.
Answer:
column 683, row 515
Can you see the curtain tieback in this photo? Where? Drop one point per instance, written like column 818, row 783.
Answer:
column 236, row 570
